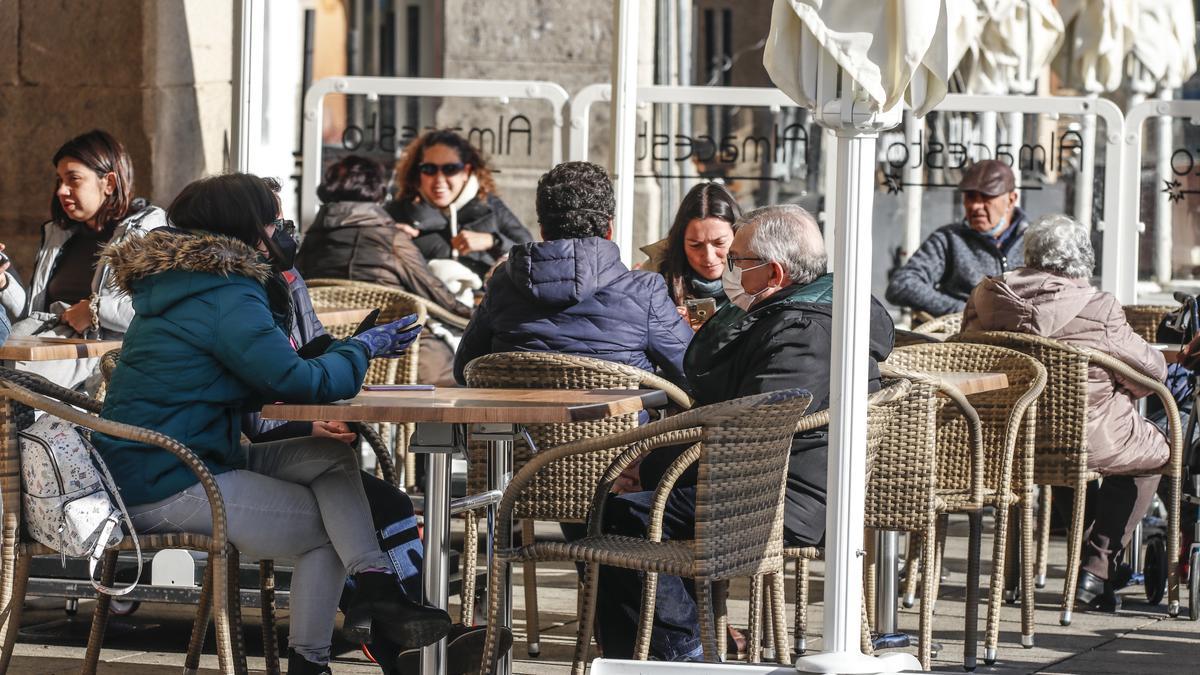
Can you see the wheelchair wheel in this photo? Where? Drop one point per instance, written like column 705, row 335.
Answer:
column 1154, row 568
column 1194, row 585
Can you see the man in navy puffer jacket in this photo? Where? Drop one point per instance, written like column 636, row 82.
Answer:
column 571, row 293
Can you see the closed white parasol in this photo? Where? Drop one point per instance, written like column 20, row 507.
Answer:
column 880, row 53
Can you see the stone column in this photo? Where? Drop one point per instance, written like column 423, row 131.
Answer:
column 154, row 73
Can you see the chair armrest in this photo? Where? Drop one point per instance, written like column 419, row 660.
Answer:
column 383, row 456
column 663, row 491
column 219, row 533
column 1159, row 389
column 41, row 385
column 437, row 312
column 622, row 462
column 677, row 396
column 648, row 432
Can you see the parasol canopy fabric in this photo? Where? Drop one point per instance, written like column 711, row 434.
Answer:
column 1092, row 56
column 1017, row 40
column 892, row 49
column 1162, row 45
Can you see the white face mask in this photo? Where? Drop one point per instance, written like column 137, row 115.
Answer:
column 731, row 280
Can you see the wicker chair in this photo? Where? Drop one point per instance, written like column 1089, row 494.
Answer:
column 394, row 304
column 434, row 310
column 879, row 424
column 1144, row 319
column 947, row 323
column 562, row 492
column 905, row 338
column 220, row 592
column 1008, row 419
column 742, row 449
column 1061, row 449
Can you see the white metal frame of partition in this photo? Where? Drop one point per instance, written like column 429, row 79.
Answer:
column 1118, row 269
column 580, row 121
column 1131, row 181
column 504, row 90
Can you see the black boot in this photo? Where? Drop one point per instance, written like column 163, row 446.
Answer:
column 1096, row 594
column 379, row 604
column 464, row 652
column 298, row 665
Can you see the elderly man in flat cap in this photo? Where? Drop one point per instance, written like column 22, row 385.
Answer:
column 938, row 278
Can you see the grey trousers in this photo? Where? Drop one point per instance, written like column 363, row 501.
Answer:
column 300, row 499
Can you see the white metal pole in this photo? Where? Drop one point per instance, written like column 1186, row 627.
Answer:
column 1085, row 178
column 1015, row 122
column 624, row 120
column 1164, row 241
column 913, row 177
column 849, row 372
column 987, row 135
column 830, row 181
column 249, row 32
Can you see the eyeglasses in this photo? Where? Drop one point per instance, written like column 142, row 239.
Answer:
column 283, row 224
column 447, row 170
column 735, row 259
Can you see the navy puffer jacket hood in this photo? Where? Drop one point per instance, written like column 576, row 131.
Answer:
column 575, row 296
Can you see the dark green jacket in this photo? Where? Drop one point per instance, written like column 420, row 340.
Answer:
column 202, row 349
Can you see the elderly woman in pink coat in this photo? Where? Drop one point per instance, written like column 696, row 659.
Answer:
column 1052, row 297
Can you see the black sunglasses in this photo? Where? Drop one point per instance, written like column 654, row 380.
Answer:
column 447, row 170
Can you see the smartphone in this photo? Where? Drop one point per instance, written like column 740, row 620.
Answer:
column 700, row 309
column 3, row 258
column 398, row 387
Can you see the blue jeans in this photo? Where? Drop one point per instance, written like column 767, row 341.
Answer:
column 676, row 633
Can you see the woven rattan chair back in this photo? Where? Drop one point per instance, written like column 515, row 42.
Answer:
column 563, row 491
column 434, row 310
column 740, row 485
column 1001, row 430
column 901, row 490
column 947, row 323
column 393, row 304
column 1061, row 434
column 1144, row 319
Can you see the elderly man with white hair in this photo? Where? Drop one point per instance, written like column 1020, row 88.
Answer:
column 1052, row 297
column 776, row 333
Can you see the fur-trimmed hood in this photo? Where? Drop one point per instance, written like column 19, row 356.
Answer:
column 169, row 249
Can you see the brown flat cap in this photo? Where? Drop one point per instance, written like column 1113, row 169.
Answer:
column 989, row 177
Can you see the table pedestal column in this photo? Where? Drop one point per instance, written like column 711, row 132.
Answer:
column 440, row 442
column 499, row 440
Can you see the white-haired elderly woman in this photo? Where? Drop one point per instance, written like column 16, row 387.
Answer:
column 1052, row 297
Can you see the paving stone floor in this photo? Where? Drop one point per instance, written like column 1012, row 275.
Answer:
column 1141, row 639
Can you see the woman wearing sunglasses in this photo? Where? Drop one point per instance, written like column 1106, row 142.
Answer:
column 447, row 199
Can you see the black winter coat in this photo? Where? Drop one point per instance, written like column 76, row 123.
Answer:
column 359, row 241
column 479, row 215
column 939, row 277
column 782, row 343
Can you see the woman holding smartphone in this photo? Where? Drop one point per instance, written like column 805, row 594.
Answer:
column 693, row 254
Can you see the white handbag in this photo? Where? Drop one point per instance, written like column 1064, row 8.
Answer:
column 69, row 494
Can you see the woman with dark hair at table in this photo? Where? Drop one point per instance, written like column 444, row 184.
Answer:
column 209, row 341
column 446, row 199
column 69, row 294
column 692, row 257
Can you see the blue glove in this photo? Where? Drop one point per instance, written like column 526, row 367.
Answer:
column 391, row 339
